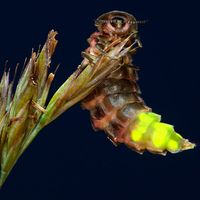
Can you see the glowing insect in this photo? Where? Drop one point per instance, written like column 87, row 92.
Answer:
column 115, row 104
column 106, row 84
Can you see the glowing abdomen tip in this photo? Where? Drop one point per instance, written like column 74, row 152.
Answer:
column 147, row 132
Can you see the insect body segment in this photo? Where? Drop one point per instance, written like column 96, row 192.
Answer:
column 115, row 104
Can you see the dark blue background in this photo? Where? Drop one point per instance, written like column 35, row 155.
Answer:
column 68, row 160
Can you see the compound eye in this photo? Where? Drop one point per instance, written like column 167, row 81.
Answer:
column 118, row 22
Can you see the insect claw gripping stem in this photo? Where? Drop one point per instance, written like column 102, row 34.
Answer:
column 126, row 50
column 116, row 50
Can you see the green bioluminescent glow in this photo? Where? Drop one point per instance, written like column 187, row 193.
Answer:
column 160, row 134
column 149, row 131
column 143, row 121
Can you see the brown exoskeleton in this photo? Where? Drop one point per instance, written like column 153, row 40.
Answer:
column 115, row 104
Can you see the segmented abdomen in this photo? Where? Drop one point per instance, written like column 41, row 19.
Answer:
column 116, row 102
column 116, row 107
